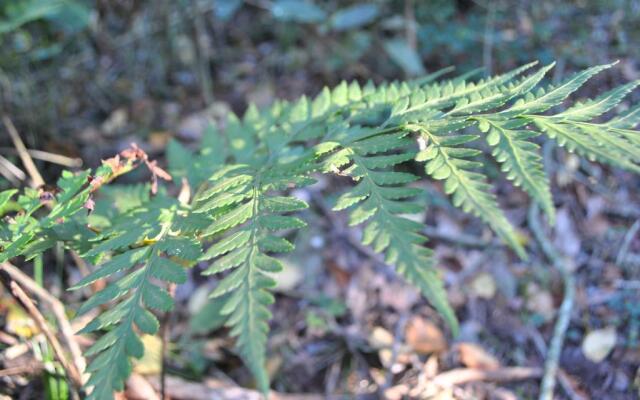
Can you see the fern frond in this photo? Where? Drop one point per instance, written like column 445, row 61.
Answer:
column 597, row 141
column 520, row 158
column 544, row 99
column 28, row 235
column 246, row 216
column 445, row 159
column 379, row 198
column 154, row 253
column 627, row 120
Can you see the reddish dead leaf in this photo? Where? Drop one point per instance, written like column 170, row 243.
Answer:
column 474, row 356
column 115, row 164
column 90, row 205
column 424, row 336
column 134, row 157
column 95, row 182
column 154, row 184
column 341, row 276
column 159, row 172
column 134, row 153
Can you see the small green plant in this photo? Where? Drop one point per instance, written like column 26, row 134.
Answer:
column 243, row 211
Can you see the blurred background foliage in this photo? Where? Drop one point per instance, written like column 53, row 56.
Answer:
column 69, row 68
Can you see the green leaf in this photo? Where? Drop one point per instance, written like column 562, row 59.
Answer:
column 304, row 11
column 354, row 16
column 405, row 56
column 239, row 215
column 167, row 270
column 278, row 222
column 5, row 196
column 118, row 263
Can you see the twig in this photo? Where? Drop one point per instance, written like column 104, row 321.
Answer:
column 626, row 243
column 48, row 157
column 410, row 24
column 487, row 48
column 11, row 172
column 27, row 161
column 461, row 239
column 57, row 308
column 395, row 349
column 564, row 313
column 459, row 376
column 26, row 302
column 563, row 377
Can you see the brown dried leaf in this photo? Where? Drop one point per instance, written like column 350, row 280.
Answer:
column 424, row 336
column 474, row 356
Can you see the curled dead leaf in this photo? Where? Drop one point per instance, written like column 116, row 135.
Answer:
column 424, row 336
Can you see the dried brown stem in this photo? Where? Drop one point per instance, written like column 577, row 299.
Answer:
column 26, row 302
column 460, row 376
column 27, row 161
column 57, row 308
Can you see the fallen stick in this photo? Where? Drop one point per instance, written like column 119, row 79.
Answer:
column 460, row 376
column 210, row 389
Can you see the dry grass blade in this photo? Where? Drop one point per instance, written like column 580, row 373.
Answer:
column 11, row 172
column 27, row 161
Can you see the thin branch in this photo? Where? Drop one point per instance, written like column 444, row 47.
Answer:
column 461, row 239
column 395, row 349
column 626, row 243
column 27, row 161
column 487, row 45
column 564, row 313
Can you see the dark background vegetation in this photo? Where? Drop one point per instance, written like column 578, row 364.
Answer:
column 86, row 78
